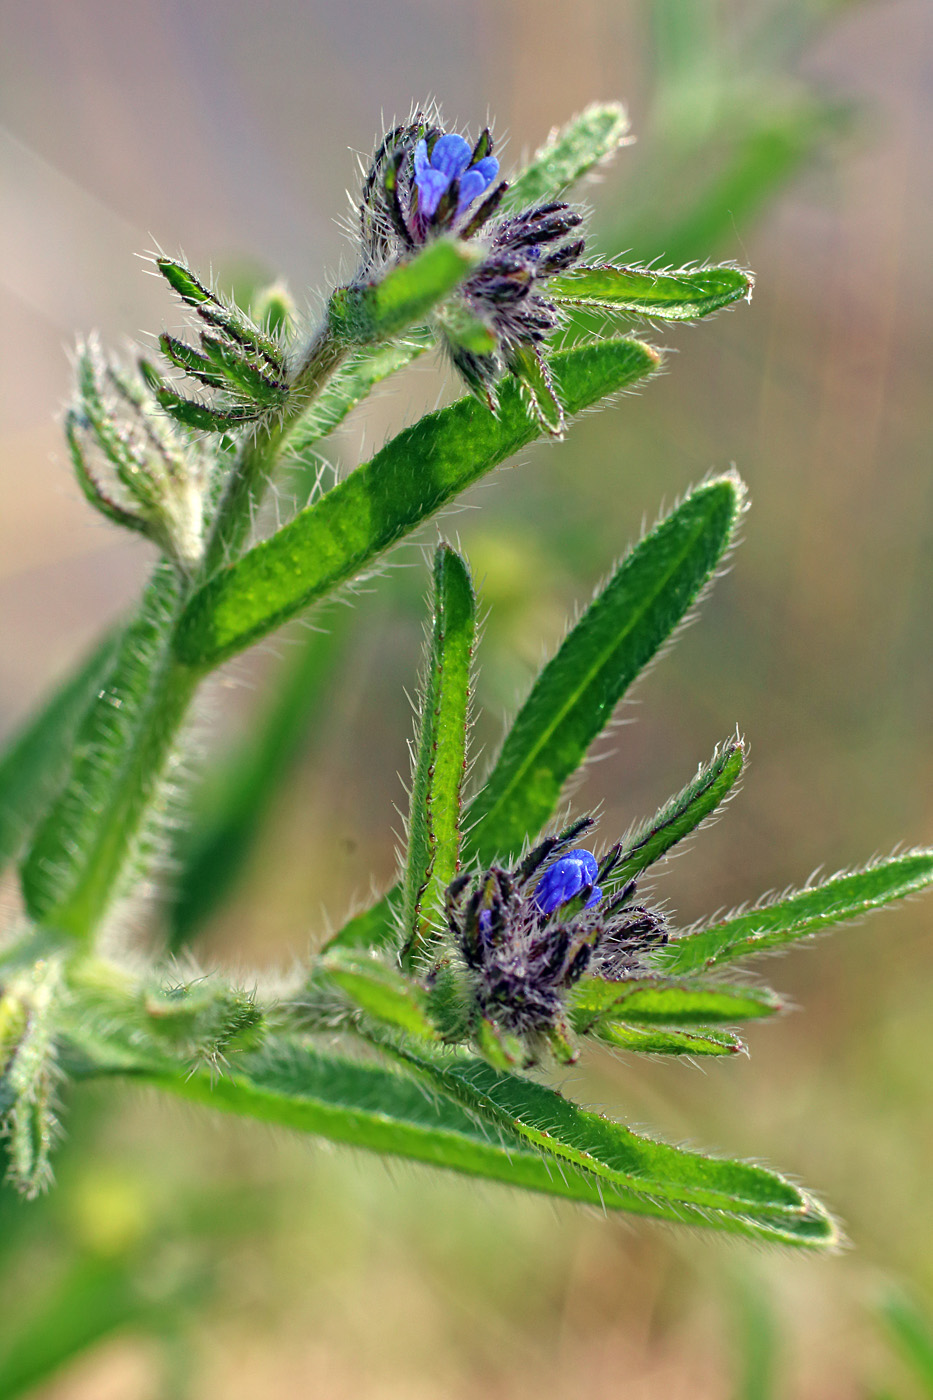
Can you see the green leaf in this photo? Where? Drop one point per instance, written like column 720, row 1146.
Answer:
column 781, row 920
column 591, row 137
column 440, row 758
column 229, row 809
column 531, row 370
column 36, row 760
column 414, row 476
column 575, row 695
column 737, row 1196
column 680, row 816
column 117, row 760
column 371, row 1107
column 651, row 1003
column 404, row 296
column 433, row 855
column 379, row 990
column 662, row 1040
column 224, row 315
column 686, row 295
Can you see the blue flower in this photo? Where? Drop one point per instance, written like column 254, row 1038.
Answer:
column 565, row 879
column 448, row 163
column 426, row 183
column 525, row 937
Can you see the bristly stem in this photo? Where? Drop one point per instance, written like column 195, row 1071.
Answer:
column 258, row 453
column 76, row 864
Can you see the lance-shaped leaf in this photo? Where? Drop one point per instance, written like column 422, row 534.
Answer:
column 414, row 476
column 795, row 915
column 651, row 1003
column 686, row 295
column 433, row 855
column 116, row 768
column 568, row 154
column 666, row 1040
column 404, row 296
column 680, row 816
column 575, row 695
column 36, row 761
column 378, row 990
column 751, row 1198
column 220, row 314
column 371, row 1107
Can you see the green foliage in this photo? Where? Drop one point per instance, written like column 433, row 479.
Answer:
column 440, row 754
column 81, row 845
column 686, row 295
column 654, row 1003
column 575, row 695
column 403, row 297
column 409, row 480
column 460, row 981
column 684, row 812
column 779, row 921
column 568, row 154
column 229, row 808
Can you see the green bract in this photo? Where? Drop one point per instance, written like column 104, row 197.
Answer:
column 458, row 979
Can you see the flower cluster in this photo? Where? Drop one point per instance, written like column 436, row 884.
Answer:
column 424, row 182
column 528, row 934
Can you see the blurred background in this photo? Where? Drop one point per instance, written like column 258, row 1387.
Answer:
column 183, row 1255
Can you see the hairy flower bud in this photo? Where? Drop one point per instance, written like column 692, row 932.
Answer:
column 424, row 182
column 527, row 935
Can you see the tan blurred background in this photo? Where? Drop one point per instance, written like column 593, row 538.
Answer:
column 225, row 130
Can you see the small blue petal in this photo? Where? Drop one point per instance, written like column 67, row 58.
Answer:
column 488, row 167
column 421, row 158
column 451, row 155
column 432, row 186
column 564, row 881
column 471, row 185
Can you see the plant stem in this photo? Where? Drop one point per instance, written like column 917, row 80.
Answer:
column 78, row 861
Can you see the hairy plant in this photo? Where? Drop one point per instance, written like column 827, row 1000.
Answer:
column 509, row 938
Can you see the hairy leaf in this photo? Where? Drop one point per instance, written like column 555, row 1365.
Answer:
column 368, row 1106
column 665, row 1040
column 686, row 295
column 378, row 990
column 116, row 767
column 433, row 854
column 684, row 813
column 740, row 1196
column 404, row 296
column 803, row 912
column 653, row 1003
column 575, row 695
column 591, row 137
column 414, row 476
column 349, row 386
